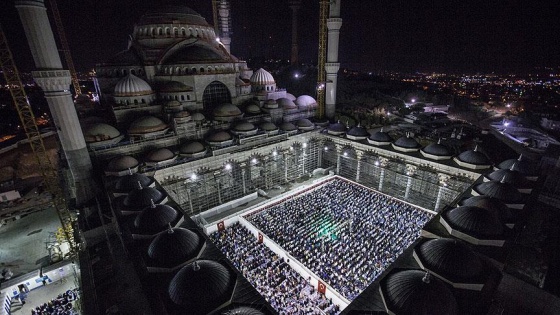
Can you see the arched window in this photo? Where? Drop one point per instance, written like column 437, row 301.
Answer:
column 178, row 70
column 193, row 70
column 186, row 70
column 153, row 31
column 167, row 31
column 182, row 97
column 160, row 31
column 176, row 98
column 188, row 97
column 201, row 70
column 140, row 72
column 183, row 31
column 196, row 33
column 135, row 102
column 191, row 32
column 214, row 94
column 132, row 72
column 143, row 101
column 175, row 31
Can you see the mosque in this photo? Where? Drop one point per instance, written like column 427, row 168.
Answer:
column 197, row 140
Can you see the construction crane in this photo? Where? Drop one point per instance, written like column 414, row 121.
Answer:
column 27, row 118
column 65, row 48
column 322, row 57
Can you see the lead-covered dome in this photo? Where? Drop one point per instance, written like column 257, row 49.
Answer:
column 202, row 285
column 336, row 129
column 175, row 14
column 174, row 247
column 160, row 155
column 244, row 126
column 147, row 124
column 244, row 310
column 492, row 204
column 406, row 144
column 472, row 159
column 451, row 259
column 286, row 103
column 155, row 218
column 192, row 147
column 305, row 124
column 132, row 85
column 500, row 190
column 475, row 221
column 380, row 138
column 226, row 112
column 304, row 101
column 122, row 163
column 101, row 132
column 131, row 181
column 262, row 77
column 436, row 151
column 413, row 292
column 357, row 133
column 510, row 176
column 268, row 126
column 143, row 197
column 219, row 136
column 288, row 126
column 521, row 164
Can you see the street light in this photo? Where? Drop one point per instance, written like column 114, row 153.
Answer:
column 228, row 167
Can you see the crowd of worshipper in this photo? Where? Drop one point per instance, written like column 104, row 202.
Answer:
column 62, row 305
column 345, row 233
column 285, row 290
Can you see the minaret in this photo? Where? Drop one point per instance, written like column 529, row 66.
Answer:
column 55, row 83
column 334, row 23
column 224, row 22
column 295, row 5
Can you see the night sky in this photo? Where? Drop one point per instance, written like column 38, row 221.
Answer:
column 395, row 35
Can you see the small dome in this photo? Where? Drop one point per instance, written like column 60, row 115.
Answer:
column 270, row 104
column 202, row 285
column 450, row 259
column 262, row 77
column 510, row 176
column 291, row 97
column 253, row 109
column 160, row 155
column 146, row 124
column 122, row 163
column 474, row 157
column 304, row 123
column 475, row 221
column 174, row 247
column 172, row 104
column 437, row 149
column 286, row 103
column 381, row 136
column 288, row 126
column 407, row 143
column 521, row 164
column 198, row 117
column 141, row 198
column 155, row 218
column 305, row 101
column 130, row 182
column 226, row 110
column 268, row 126
column 173, row 87
column 500, row 190
column 219, row 136
column 492, row 204
column 182, row 114
column 132, row 85
column 337, row 127
column 409, row 292
column 244, row 126
column 244, row 310
column 100, row 132
column 358, row 131
column 192, row 147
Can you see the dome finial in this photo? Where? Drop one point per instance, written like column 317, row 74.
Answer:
column 439, row 141
column 140, row 186
column 503, row 179
column 195, row 266
column 381, row 129
column 169, row 229
column 512, row 168
column 129, row 171
column 153, row 205
column 476, row 148
column 520, row 157
column 426, row 278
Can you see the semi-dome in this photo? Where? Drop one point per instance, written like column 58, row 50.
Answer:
column 122, row 163
column 475, row 221
column 305, row 101
column 286, row 103
column 146, row 124
column 262, row 77
column 101, row 132
column 380, row 138
column 219, row 136
column 202, row 285
column 192, row 147
column 174, row 247
column 173, row 87
column 227, row 111
column 288, row 126
column 500, row 190
column 415, row 292
column 160, row 155
column 336, row 129
column 131, row 181
column 155, row 218
column 244, row 310
column 305, row 124
column 173, row 104
column 291, row 97
column 182, row 114
column 268, row 126
column 252, row 109
column 436, row 151
column 172, row 14
column 132, row 85
column 195, row 53
column 143, row 197
column 473, row 159
column 451, row 259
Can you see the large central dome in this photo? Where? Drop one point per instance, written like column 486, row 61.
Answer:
column 173, row 14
